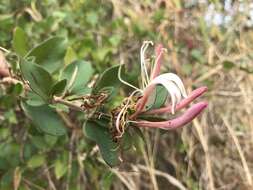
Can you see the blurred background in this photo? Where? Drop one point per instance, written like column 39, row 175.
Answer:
column 209, row 43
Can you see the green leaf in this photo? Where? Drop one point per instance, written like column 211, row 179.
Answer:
column 70, row 56
column 50, row 53
column 10, row 116
column 107, row 180
column 109, row 78
column 60, row 168
column 126, row 141
column 82, row 91
column 45, row 118
column 39, row 142
column 137, row 138
column 7, row 180
column 16, row 89
column 228, row 65
column 34, row 99
column 115, row 39
column 59, row 87
column 158, row 98
column 102, row 137
column 77, row 79
column 92, row 18
column 198, row 55
column 36, row 161
column 39, row 79
column 50, row 140
column 20, row 42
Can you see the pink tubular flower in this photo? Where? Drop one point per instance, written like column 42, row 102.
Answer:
column 180, row 121
column 185, row 102
column 175, row 88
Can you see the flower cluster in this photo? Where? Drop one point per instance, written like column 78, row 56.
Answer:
column 172, row 83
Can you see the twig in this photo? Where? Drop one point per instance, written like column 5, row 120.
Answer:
column 80, row 159
column 10, row 80
column 239, row 149
column 50, row 182
column 66, row 120
column 204, row 144
column 149, row 161
column 32, row 184
column 208, row 74
column 170, row 178
column 71, row 144
column 5, row 50
column 122, row 178
column 67, row 103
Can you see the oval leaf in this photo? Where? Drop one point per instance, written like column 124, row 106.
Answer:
column 50, row 53
column 59, row 87
column 36, row 161
column 20, row 41
column 159, row 98
column 102, row 137
column 82, row 72
column 39, row 79
column 45, row 118
column 108, row 79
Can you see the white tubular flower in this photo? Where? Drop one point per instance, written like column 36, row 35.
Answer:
column 174, row 78
column 172, row 87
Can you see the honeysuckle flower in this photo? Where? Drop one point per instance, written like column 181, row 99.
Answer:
column 172, row 83
column 177, row 122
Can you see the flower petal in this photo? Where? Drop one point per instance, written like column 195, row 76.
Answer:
column 157, row 65
column 173, row 77
column 180, row 121
column 185, row 102
column 171, row 82
column 172, row 88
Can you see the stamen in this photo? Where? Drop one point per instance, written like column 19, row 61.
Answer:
column 121, row 114
column 144, row 72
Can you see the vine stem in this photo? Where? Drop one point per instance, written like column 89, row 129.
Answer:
column 71, row 105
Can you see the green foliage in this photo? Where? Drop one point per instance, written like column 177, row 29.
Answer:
column 109, row 78
column 59, row 87
column 49, row 54
column 100, row 134
column 157, row 98
column 45, row 118
column 20, row 42
column 108, row 82
column 228, row 65
column 39, row 79
column 36, row 161
column 78, row 75
column 60, row 168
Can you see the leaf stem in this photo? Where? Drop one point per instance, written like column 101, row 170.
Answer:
column 67, row 103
